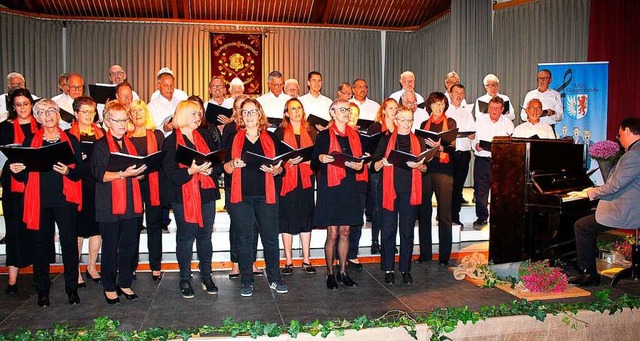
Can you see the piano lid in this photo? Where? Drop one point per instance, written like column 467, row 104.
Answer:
column 559, row 182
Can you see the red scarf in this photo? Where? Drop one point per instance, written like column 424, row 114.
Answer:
column 191, row 199
column 335, row 174
column 75, row 130
column 154, row 180
column 290, row 179
column 18, row 137
column 236, row 151
column 119, row 186
column 72, row 190
column 384, row 125
column 444, row 157
column 389, row 192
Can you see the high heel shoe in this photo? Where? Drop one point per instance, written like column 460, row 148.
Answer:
column 346, row 280
column 82, row 285
column 156, row 277
column 11, row 289
column 94, row 279
column 111, row 301
column 129, row 297
column 331, row 282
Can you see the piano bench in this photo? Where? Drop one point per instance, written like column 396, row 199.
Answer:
column 633, row 271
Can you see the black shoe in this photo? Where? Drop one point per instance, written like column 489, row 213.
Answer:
column 111, row 301
column 3, row 240
column 346, row 280
column 308, row 268
column 479, row 224
column 457, row 222
column 209, row 286
column 332, row 284
column 585, row 279
column 258, row 273
column 129, row 297
column 406, row 278
column 156, row 277
column 424, row 259
column 354, row 266
column 82, row 285
column 43, row 299
column 94, row 279
column 11, row 289
column 288, row 270
column 375, row 248
column 186, row 289
column 389, row 278
column 444, row 264
column 73, row 297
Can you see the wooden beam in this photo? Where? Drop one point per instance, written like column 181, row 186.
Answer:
column 186, row 11
column 317, row 11
column 174, row 9
column 511, row 3
column 326, row 11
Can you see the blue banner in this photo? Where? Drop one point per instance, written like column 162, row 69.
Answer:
column 584, row 88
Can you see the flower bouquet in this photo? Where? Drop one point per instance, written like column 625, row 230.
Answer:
column 605, row 151
column 540, row 277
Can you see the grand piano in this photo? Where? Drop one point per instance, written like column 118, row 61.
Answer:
column 532, row 215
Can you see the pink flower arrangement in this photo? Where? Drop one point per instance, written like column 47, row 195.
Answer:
column 540, row 277
column 605, row 151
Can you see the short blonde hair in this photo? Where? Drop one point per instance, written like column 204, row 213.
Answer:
column 139, row 104
column 184, row 108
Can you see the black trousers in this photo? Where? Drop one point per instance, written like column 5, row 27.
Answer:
column 355, row 231
column 405, row 214
column 587, row 230
column 460, row 161
column 65, row 217
column 233, row 239
column 482, row 186
column 153, row 215
column 119, row 244
column 442, row 185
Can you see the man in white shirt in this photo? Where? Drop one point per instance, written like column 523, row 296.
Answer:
column 492, row 86
column 534, row 126
column 408, row 82
column 551, row 103
column 368, row 108
column 461, row 113
column 118, row 76
column 217, row 99
column 292, row 88
column 449, row 80
column 420, row 115
column 14, row 81
column 273, row 101
column 345, row 92
column 63, row 86
column 314, row 102
column 75, row 83
column 489, row 125
column 176, row 92
column 163, row 106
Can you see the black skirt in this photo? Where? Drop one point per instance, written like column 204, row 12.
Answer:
column 296, row 210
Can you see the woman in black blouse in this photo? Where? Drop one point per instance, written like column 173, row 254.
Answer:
column 192, row 191
column 148, row 140
column 253, row 197
column 400, row 192
column 51, row 198
column 19, row 125
column 438, row 180
column 118, row 205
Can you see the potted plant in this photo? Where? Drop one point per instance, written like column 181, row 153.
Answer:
column 607, row 154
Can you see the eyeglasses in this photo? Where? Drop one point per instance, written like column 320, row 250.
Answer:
column 137, row 111
column 47, row 112
column 346, row 93
column 119, row 121
column 17, row 85
column 22, row 105
column 362, row 87
column 295, row 109
column 535, row 108
column 76, row 87
column 252, row 112
column 544, row 78
column 492, row 85
column 87, row 112
column 343, row 110
column 437, row 104
column 405, row 120
column 117, row 73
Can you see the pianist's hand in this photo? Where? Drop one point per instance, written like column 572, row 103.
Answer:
column 580, row 194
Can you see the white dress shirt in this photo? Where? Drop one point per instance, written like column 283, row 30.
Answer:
column 446, row 94
column 368, row 108
column 274, row 106
column 318, row 106
column 396, row 95
column 486, row 98
column 226, row 103
column 550, row 100
column 176, row 92
column 419, row 117
column 465, row 122
column 486, row 129
column 161, row 109
column 527, row 129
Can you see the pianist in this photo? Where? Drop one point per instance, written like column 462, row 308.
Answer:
column 617, row 207
column 534, row 127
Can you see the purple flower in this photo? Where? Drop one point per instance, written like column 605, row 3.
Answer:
column 605, row 150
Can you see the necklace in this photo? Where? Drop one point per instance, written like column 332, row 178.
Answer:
column 52, row 140
column 251, row 135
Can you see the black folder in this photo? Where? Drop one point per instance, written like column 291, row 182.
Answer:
column 213, row 110
column 340, row 158
column 255, row 161
column 370, row 142
column 465, row 133
column 486, row 145
column 67, row 116
column 186, row 155
column 39, row 159
column 399, row 158
column 314, row 120
column 483, row 107
column 306, row 153
column 86, row 147
column 363, row 124
column 447, row 137
column 102, row 93
column 274, row 122
column 120, row 162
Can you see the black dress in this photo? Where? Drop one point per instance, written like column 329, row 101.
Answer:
column 338, row 205
column 18, row 237
column 87, row 225
column 296, row 208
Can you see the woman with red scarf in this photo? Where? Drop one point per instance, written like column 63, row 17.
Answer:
column 192, row 191
column 253, row 200
column 148, row 140
column 339, row 204
column 118, row 205
column 439, row 179
column 87, row 132
column 385, row 122
column 50, row 198
column 19, row 125
column 297, row 186
column 401, row 197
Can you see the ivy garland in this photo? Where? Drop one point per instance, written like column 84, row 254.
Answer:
column 440, row 321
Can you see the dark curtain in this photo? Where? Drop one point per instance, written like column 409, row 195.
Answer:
column 614, row 37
